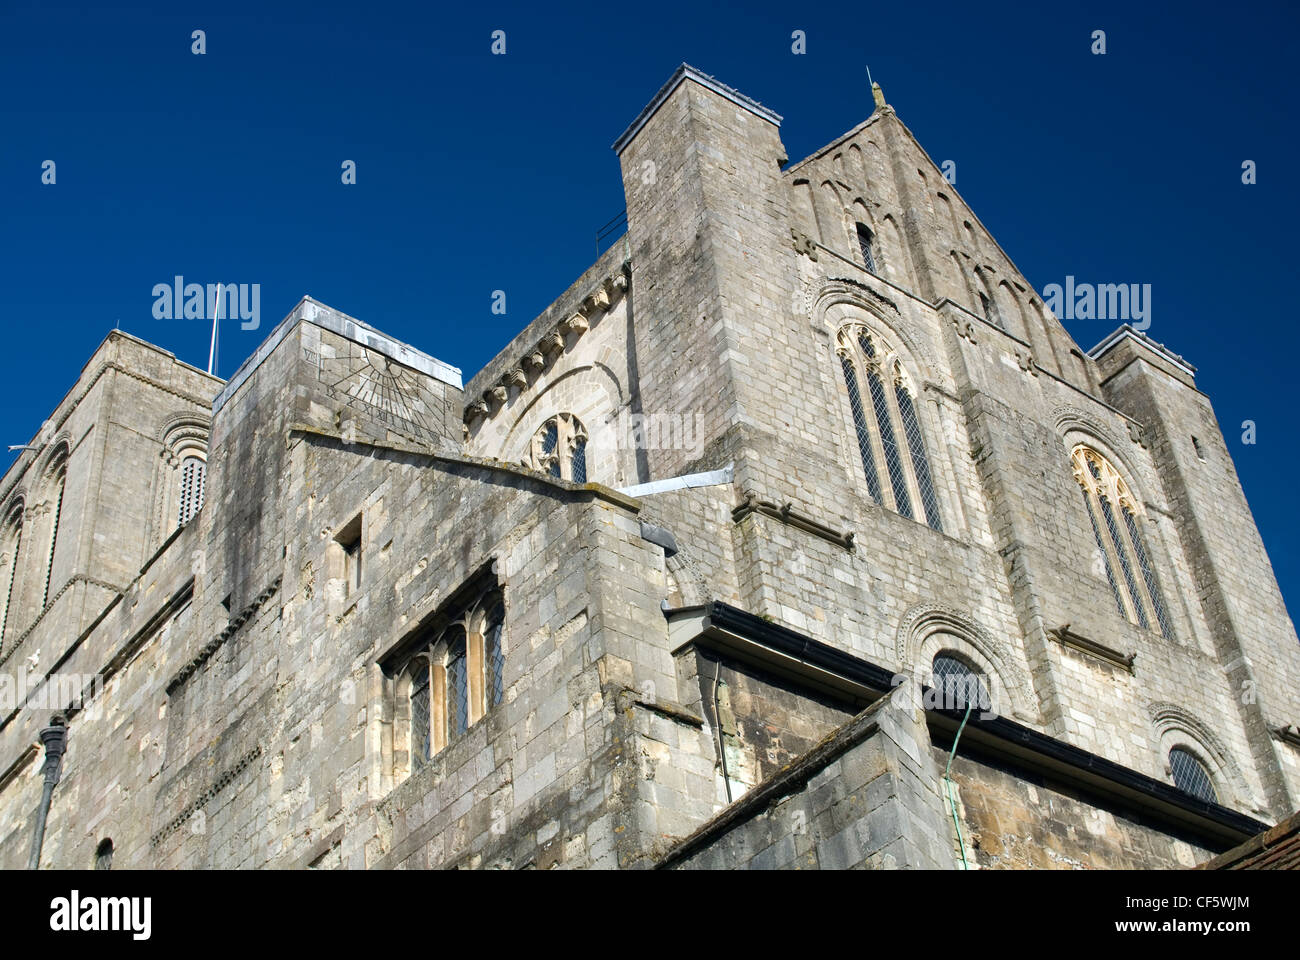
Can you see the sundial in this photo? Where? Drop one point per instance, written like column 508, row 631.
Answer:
column 392, row 393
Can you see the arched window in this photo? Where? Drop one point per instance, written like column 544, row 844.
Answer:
column 457, row 677
column 1190, row 775
column 1113, row 513
column 104, row 855
column 958, row 685
column 11, row 540
column 182, row 473
column 864, row 244
column 888, row 429
column 560, row 448
column 987, row 304
column 193, row 474
column 58, row 475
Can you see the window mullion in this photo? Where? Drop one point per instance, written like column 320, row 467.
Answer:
column 906, row 454
column 887, row 498
column 1141, row 593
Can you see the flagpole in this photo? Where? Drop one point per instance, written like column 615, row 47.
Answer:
column 216, row 313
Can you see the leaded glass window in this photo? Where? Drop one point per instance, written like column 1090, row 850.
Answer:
column 920, row 462
column 1105, row 494
column 959, row 685
column 1124, row 565
column 893, row 461
column 1190, row 775
column 1148, row 574
column 421, row 714
column 579, row 470
column 457, row 685
column 889, row 427
column 863, row 431
column 559, row 449
column 1101, row 548
column 495, row 655
column 456, row 673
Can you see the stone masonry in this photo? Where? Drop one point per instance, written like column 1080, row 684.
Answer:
column 719, row 626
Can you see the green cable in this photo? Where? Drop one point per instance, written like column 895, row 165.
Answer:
column 952, row 804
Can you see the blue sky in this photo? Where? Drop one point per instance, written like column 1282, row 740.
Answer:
column 478, row 172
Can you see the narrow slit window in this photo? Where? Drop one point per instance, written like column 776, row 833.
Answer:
column 864, row 245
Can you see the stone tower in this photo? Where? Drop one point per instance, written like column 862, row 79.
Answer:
column 797, row 498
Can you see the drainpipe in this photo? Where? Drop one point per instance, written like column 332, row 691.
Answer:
column 55, row 739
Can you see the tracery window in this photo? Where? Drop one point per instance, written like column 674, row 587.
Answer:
column 456, row 675
column 887, row 427
column 11, row 538
column 1190, row 775
column 560, row 448
column 1113, row 512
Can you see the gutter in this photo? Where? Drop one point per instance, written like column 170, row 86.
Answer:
column 726, row 629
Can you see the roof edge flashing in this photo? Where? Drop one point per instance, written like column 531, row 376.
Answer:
column 328, row 318
column 687, row 72
column 1130, row 332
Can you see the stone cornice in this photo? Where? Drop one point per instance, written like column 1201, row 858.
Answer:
column 215, row 644
column 524, row 374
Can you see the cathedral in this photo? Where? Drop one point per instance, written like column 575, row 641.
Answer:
column 797, row 533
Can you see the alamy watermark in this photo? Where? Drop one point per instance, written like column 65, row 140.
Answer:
column 661, row 431
column 179, row 300
column 58, row 691
column 1126, row 302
